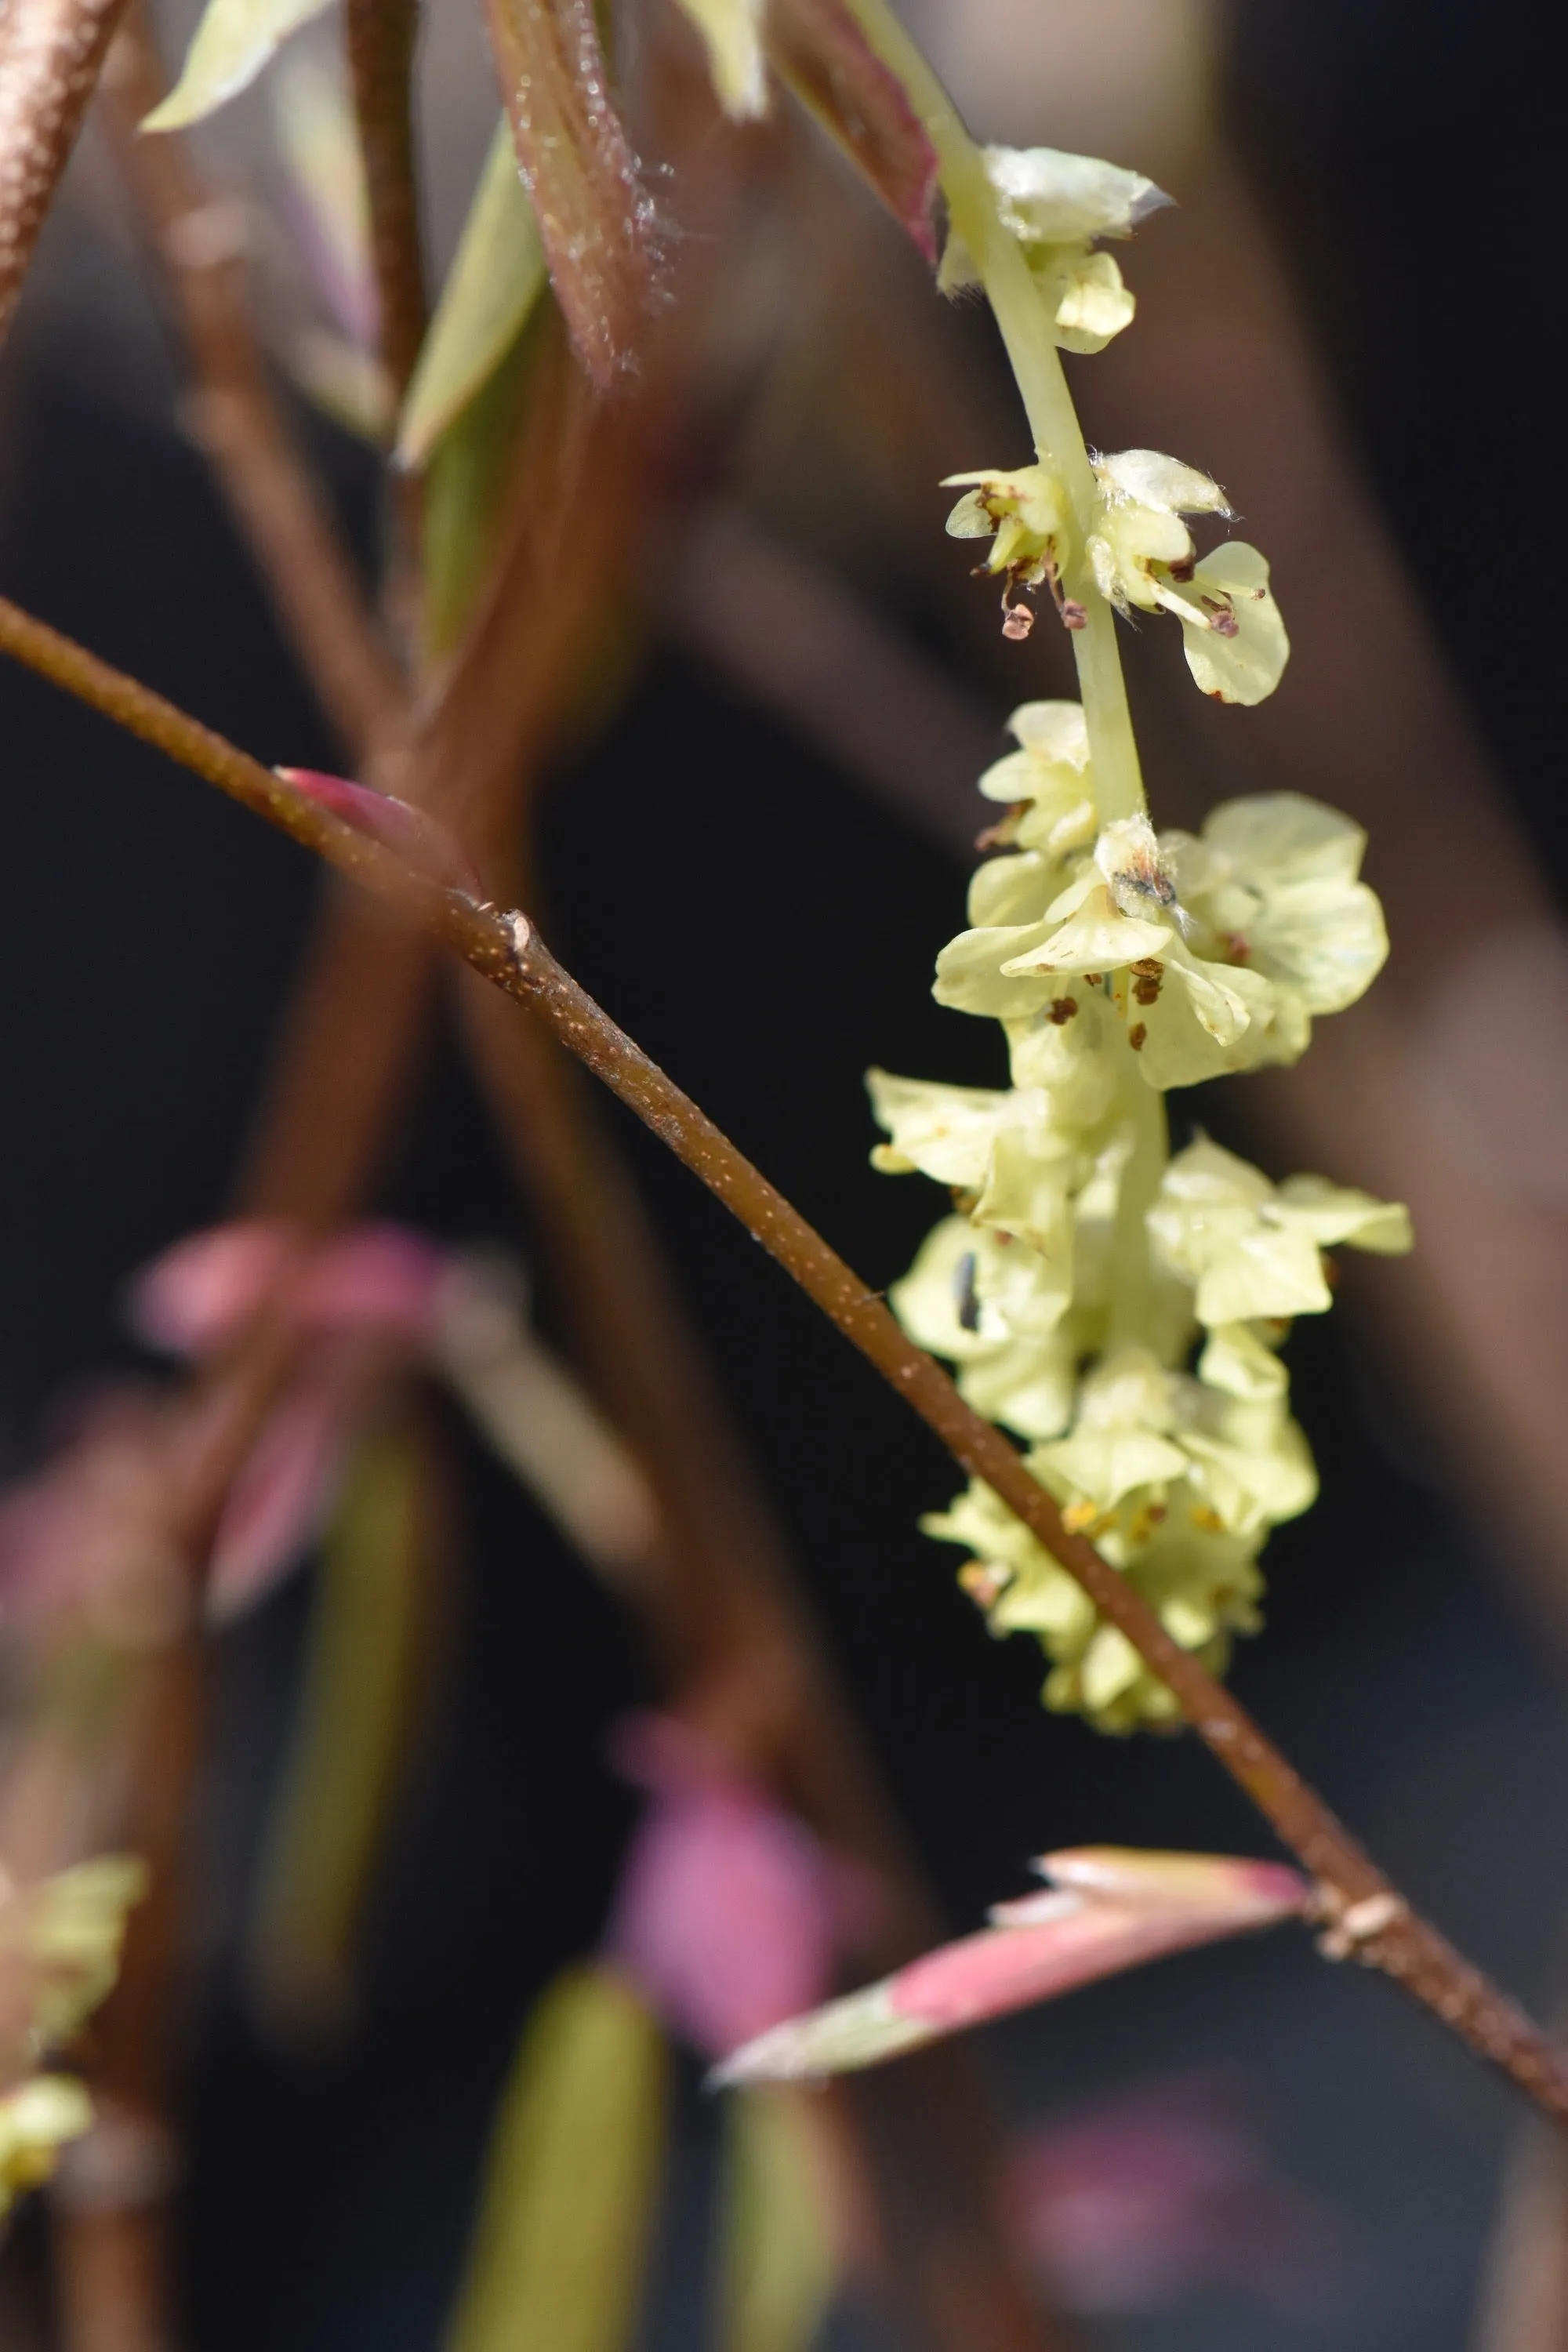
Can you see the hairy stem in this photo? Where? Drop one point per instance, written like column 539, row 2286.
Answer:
column 1374, row 1920
column 50, row 53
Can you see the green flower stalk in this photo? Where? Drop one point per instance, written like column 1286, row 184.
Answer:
column 1120, row 1309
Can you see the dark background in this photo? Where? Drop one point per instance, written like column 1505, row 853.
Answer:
column 766, row 931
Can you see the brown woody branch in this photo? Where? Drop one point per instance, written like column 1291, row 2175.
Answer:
column 231, row 410
column 379, row 34
column 50, row 54
column 1370, row 1915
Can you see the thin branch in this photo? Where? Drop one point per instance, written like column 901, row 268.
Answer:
column 1369, row 1916
column 380, row 36
column 50, row 54
column 233, row 413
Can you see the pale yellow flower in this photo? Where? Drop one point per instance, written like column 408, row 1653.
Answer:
column 1046, row 783
column 1056, row 204
column 1178, row 1486
column 1143, row 556
column 1273, row 884
column 996, row 1310
column 62, row 1938
column 36, row 2118
column 1253, row 1250
column 1025, row 516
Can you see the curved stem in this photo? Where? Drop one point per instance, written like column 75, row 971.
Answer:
column 1372, row 1918
column 1053, row 421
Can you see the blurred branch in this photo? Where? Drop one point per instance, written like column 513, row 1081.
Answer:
column 232, row 411
column 50, row 54
column 823, row 662
column 1367, row 1914
column 380, row 36
column 1524, row 2294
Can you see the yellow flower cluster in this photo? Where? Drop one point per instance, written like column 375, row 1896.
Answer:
column 1120, row 962
column 1141, row 555
column 59, row 1956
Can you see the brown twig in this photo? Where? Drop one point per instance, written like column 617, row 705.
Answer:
column 50, row 53
column 1366, row 1914
column 231, row 410
column 380, row 36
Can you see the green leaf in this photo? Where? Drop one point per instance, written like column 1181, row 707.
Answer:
column 362, row 1675
column 466, row 494
column 557, row 2258
column 495, row 279
column 778, row 2252
column 233, row 42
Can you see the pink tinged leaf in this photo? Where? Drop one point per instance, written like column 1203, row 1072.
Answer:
column 202, row 1292
column 816, row 47
column 724, row 1915
column 279, row 1504
column 1038, row 1949
column 420, row 842
column 594, row 215
column 1232, row 1886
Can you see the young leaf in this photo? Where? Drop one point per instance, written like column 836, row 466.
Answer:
column 494, row 282
column 557, row 2255
column 595, row 216
column 419, row 840
column 233, row 42
column 732, row 30
column 816, row 47
column 1120, row 1909
column 778, row 2254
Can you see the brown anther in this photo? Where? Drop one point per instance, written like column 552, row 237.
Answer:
column 1000, row 834
column 1016, row 622
column 1073, row 615
column 1236, row 945
column 1147, row 967
column 1146, row 991
column 1136, row 1036
column 1182, row 571
column 1062, row 1009
column 1093, row 978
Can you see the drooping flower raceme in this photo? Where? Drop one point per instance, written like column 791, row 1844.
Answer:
column 1124, row 1313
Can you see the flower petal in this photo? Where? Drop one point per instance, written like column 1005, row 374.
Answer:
column 1049, row 196
column 1247, row 664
